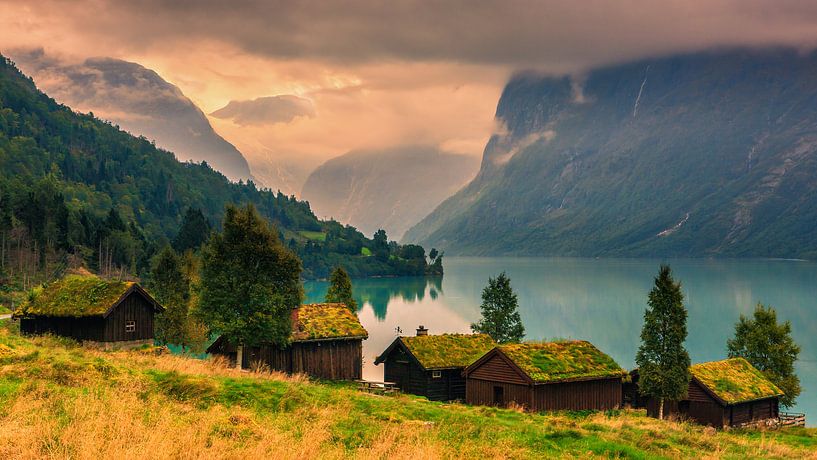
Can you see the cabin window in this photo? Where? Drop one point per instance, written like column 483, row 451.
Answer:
column 436, row 374
column 130, row 326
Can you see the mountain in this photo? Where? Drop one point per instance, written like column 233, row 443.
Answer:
column 707, row 154
column 141, row 102
column 389, row 189
column 73, row 187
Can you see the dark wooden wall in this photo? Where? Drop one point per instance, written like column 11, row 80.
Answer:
column 602, row 394
column 92, row 328
column 496, row 369
column 132, row 308
column 412, row 378
column 481, row 392
column 326, row 359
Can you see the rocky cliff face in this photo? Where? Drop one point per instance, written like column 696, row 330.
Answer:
column 389, row 189
column 690, row 155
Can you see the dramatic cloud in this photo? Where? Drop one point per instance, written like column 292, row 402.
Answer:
column 266, row 110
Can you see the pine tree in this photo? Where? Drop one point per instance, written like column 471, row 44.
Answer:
column 663, row 362
column 172, row 289
column 249, row 281
column 769, row 347
column 194, row 231
column 500, row 315
column 340, row 289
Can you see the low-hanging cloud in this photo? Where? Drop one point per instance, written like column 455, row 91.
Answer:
column 266, row 110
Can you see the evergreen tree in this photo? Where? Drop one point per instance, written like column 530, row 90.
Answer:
column 769, row 347
column 500, row 315
column 340, row 289
column 171, row 288
column 663, row 362
column 249, row 281
column 194, row 231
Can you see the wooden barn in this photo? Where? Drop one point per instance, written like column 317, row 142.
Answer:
column 326, row 342
column 90, row 309
column 564, row 375
column 728, row 393
column 432, row 365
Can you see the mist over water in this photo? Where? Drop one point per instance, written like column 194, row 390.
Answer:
column 600, row 300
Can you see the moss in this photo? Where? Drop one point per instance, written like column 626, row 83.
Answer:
column 448, row 350
column 564, row 360
column 326, row 321
column 734, row 380
column 74, row 296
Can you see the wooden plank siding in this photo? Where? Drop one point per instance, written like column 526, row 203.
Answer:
column 340, row 359
column 496, row 369
column 583, row 395
column 91, row 329
column 410, row 377
column 133, row 308
column 482, row 392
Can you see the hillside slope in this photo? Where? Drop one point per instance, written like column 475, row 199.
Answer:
column 711, row 154
column 141, row 102
column 391, row 189
column 59, row 400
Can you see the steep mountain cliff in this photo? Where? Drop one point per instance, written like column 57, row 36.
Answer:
column 391, row 189
column 690, row 155
column 141, row 102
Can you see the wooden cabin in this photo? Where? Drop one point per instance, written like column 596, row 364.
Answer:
column 326, row 342
column 432, row 365
column 728, row 393
column 565, row 375
column 90, row 309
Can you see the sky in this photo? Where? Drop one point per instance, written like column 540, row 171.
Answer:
column 306, row 81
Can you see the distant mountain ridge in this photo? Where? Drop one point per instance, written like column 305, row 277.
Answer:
column 390, row 189
column 706, row 154
column 141, row 102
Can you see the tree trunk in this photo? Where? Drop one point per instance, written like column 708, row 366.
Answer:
column 661, row 409
column 239, row 356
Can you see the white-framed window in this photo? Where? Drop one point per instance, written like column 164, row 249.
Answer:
column 130, row 326
column 436, row 374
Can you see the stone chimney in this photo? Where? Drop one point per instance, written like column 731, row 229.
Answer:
column 422, row 331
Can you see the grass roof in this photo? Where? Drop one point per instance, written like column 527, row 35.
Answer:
column 734, row 380
column 326, row 321
column 74, row 296
column 448, row 350
column 564, row 360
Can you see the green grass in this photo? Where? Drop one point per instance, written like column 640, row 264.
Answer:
column 4, row 310
column 364, row 251
column 311, row 235
column 51, row 389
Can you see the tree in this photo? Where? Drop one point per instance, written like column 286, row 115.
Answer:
column 340, row 289
column 663, row 362
column 249, row 282
column 500, row 315
column 171, row 288
column 769, row 347
column 194, row 231
column 380, row 248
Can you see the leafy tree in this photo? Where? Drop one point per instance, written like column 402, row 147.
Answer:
column 500, row 315
column 249, row 281
column 769, row 347
column 380, row 246
column 663, row 362
column 340, row 289
column 172, row 289
column 194, row 231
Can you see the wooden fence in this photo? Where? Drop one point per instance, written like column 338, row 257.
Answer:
column 792, row 419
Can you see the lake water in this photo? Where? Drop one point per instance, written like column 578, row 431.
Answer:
column 600, row 300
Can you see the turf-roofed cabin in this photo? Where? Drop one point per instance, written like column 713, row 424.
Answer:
column 432, row 365
column 90, row 309
column 728, row 393
column 564, row 375
column 326, row 342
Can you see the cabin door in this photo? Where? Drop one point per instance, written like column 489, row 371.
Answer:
column 499, row 396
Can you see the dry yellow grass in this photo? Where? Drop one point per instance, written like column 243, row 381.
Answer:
column 59, row 400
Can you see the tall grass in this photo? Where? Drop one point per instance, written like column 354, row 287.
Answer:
column 59, row 400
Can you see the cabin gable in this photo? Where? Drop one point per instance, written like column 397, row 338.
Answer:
column 132, row 319
column 495, row 366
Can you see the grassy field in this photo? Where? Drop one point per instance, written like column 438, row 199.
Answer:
column 314, row 236
column 4, row 310
column 59, row 400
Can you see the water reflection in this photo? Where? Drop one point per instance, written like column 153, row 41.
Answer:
column 599, row 300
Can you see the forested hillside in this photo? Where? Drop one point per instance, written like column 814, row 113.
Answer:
column 76, row 190
column 708, row 154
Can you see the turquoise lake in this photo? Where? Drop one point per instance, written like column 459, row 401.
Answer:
column 600, row 300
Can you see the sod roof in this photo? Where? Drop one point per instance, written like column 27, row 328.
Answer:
column 75, row 296
column 559, row 361
column 448, row 350
column 734, row 380
column 320, row 321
